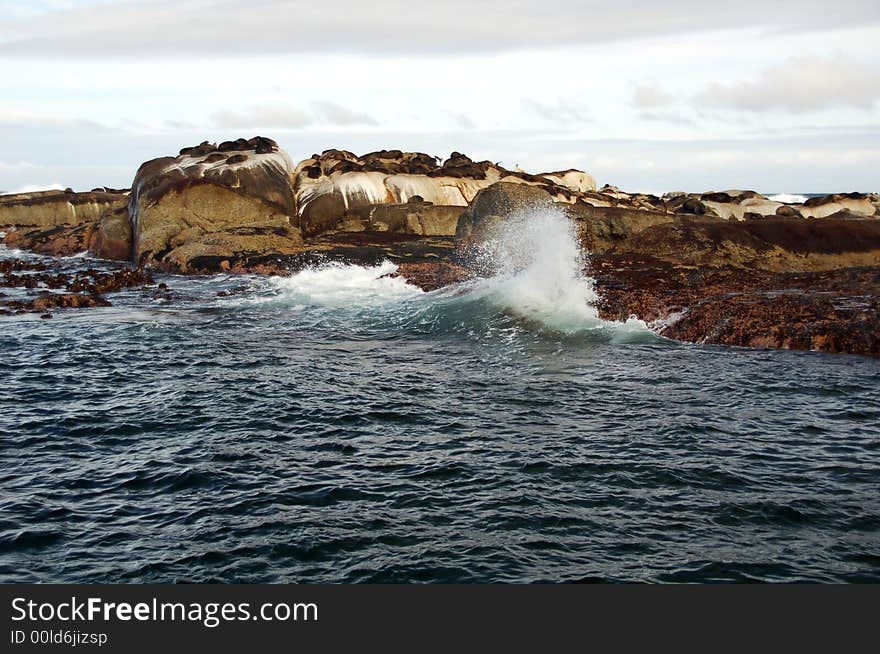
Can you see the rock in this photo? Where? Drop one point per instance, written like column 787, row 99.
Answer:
column 845, row 214
column 337, row 182
column 47, row 209
column 788, row 211
column 603, row 228
column 823, row 207
column 727, row 205
column 776, row 244
column 57, row 301
column 831, row 311
column 575, row 180
column 178, row 202
column 230, row 250
column 432, row 275
column 688, row 205
column 83, row 288
column 112, row 239
column 498, row 202
column 414, row 218
column 59, row 240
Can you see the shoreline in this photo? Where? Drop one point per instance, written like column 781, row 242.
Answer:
column 731, row 267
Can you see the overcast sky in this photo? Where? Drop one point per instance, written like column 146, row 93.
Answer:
column 650, row 96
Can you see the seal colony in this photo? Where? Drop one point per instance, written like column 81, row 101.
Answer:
column 731, row 267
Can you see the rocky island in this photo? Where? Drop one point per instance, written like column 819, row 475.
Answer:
column 730, row 267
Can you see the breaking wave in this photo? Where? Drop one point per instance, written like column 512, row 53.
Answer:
column 533, row 280
column 346, row 285
column 789, row 198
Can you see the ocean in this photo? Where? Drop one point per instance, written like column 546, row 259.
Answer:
column 341, row 425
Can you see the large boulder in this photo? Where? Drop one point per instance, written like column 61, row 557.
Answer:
column 603, row 228
column 495, row 203
column 333, row 184
column 576, row 180
column 238, row 187
column 830, row 205
column 112, row 237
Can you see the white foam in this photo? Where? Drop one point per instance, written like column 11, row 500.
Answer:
column 539, row 270
column 345, row 285
column 661, row 324
column 789, row 198
column 8, row 252
column 535, row 272
column 539, row 273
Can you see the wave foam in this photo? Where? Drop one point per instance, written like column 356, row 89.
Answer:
column 344, row 285
column 534, row 269
column 538, row 271
column 789, row 198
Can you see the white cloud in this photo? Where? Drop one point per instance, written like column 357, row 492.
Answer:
column 335, row 114
column 12, row 118
column 800, row 85
column 263, row 117
column 17, row 166
column 668, row 118
column 462, row 121
column 650, row 95
column 562, row 111
column 232, row 27
column 281, row 116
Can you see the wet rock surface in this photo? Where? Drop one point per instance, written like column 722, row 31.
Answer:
column 830, row 311
column 45, row 288
column 433, row 275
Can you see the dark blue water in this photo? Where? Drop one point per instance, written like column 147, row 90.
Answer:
column 365, row 432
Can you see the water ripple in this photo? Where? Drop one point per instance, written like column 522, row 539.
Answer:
column 258, row 438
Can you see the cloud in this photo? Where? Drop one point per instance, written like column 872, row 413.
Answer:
column 799, row 85
column 335, row 114
column 671, row 119
column 233, row 27
column 179, row 125
column 287, row 117
column 16, row 119
column 562, row 111
column 462, row 121
column 650, row 95
column 264, row 116
column 19, row 165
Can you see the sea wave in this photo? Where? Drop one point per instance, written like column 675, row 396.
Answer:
column 789, row 198
column 535, row 282
column 345, row 285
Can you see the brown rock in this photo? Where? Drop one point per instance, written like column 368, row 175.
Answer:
column 329, row 185
column 47, row 209
column 498, row 202
column 178, row 203
column 112, row 238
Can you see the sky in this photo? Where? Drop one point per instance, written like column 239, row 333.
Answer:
column 648, row 96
